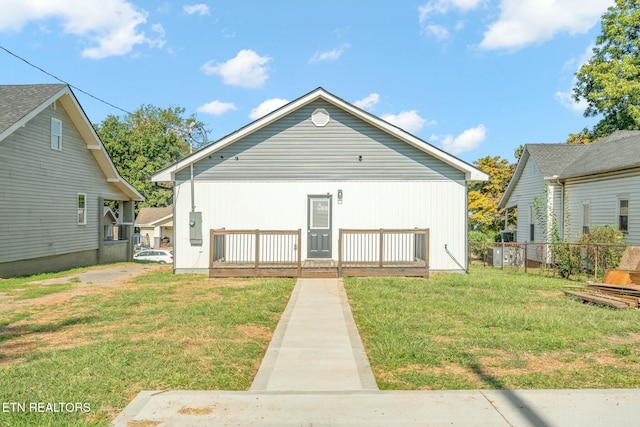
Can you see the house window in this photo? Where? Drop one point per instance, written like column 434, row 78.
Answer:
column 532, row 223
column 623, row 215
column 56, row 134
column 586, row 218
column 82, row 209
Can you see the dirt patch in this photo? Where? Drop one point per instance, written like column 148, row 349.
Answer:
column 195, row 411
column 143, row 423
column 255, row 331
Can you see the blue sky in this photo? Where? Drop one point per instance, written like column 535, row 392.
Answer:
column 474, row 77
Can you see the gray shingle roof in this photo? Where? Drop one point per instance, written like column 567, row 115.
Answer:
column 147, row 216
column 553, row 158
column 16, row 101
column 618, row 151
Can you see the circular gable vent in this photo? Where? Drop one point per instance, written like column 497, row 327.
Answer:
column 320, row 117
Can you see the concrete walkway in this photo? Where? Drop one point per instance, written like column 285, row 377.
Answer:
column 316, row 373
column 316, row 346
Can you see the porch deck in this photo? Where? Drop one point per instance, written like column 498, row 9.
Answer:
column 361, row 253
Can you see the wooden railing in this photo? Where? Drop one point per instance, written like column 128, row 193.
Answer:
column 383, row 248
column 401, row 252
column 276, row 249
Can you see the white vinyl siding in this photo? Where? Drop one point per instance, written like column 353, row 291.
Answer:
column 604, row 195
column 39, row 192
column 530, row 186
column 280, row 205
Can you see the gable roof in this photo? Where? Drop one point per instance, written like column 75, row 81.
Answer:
column 21, row 103
column 471, row 172
column 551, row 159
column 618, row 151
column 151, row 216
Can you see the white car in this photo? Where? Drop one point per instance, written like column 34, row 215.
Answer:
column 154, row 255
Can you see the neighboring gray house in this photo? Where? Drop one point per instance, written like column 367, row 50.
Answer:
column 55, row 176
column 591, row 185
column 319, row 164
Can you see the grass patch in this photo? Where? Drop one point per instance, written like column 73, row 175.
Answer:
column 37, row 291
column 491, row 329
column 162, row 331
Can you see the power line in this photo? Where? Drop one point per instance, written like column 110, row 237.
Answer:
column 62, row 81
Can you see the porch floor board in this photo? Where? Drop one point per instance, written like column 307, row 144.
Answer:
column 317, row 268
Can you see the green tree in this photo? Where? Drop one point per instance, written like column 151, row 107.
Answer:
column 585, row 136
column 484, row 214
column 145, row 142
column 610, row 80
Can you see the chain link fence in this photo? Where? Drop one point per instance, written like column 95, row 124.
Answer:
column 567, row 260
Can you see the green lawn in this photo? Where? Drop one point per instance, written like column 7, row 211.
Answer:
column 101, row 347
column 492, row 329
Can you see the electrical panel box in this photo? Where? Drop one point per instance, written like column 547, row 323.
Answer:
column 195, row 228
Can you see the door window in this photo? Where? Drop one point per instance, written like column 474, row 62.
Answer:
column 320, row 213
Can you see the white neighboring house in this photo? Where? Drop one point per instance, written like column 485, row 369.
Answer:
column 591, row 185
column 55, row 176
column 156, row 226
column 320, row 155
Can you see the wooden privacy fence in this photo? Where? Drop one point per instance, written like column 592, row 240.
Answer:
column 278, row 253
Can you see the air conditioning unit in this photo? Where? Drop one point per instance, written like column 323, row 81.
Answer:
column 512, row 255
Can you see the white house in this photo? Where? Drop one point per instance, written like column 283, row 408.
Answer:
column 55, row 176
column 156, row 226
column 583, row 185
column 320, row 164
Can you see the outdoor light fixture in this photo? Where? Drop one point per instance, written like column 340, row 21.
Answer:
column 359, row 158
column 339, row 196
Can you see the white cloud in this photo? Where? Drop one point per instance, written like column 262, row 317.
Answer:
column 330, row 55
column 434, row 7
column 440, row 32
column 266, row 107
column 368, row 102
column 111, row 28
column 428, row 11
column 466, row 141
column 525, row 22
column 216, row 108
column 407, row 120
column 566, row 97
column 200, row 9
column 247, row 69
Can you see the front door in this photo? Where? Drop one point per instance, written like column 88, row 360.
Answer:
column 319, row 226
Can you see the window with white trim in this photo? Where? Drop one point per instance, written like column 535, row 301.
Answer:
column 532, row 223
column 82, row 209
column 623, row 215
column 56, row 134
column 586, row 217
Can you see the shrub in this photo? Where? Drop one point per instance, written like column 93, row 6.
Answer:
column 602, row 249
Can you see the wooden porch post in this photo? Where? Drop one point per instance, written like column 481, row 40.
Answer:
column 299, row 252
column 381, row 247
column 340, row 253
column 257, row 252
